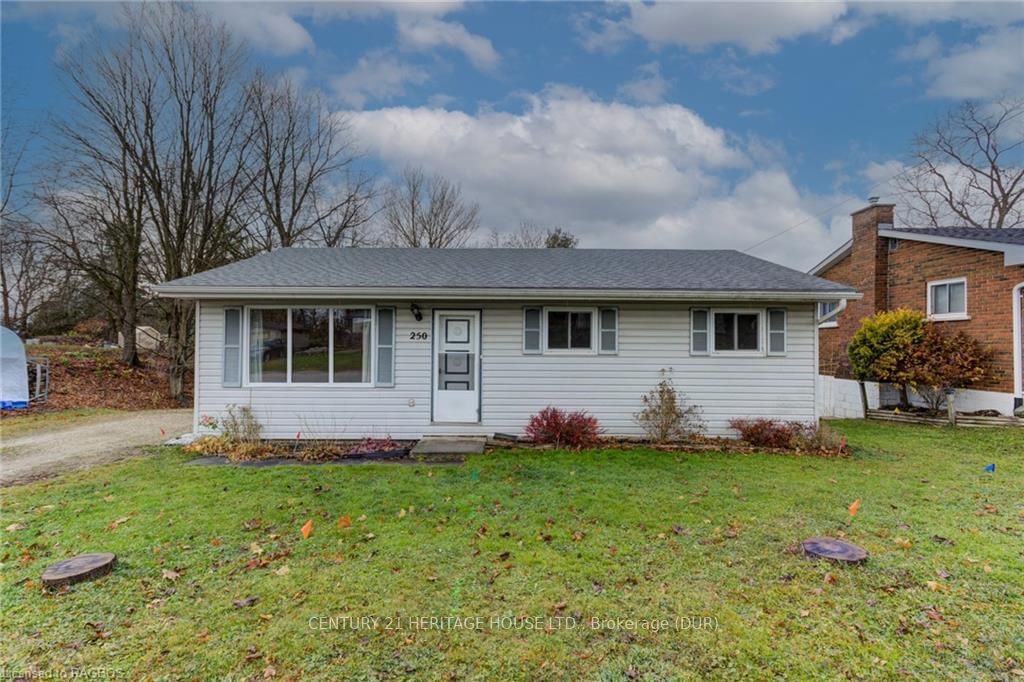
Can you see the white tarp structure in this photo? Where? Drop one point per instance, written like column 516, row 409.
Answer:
column 13, row 371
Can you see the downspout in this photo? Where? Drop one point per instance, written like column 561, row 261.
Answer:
column 1018, row 389
column 841, row 307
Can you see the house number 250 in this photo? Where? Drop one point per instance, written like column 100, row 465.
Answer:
column 417, row 336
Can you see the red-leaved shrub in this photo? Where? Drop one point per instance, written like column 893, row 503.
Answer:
column 574, row 430
column 768, row 433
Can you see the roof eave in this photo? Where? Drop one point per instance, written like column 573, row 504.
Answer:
column 832, row 258
column 1013, row 254
column 370, row 293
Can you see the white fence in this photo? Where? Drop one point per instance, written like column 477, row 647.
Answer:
column 840, row 398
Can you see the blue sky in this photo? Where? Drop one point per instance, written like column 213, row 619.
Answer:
column 676, row 125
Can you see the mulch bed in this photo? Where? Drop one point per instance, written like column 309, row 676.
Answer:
column 93, row 377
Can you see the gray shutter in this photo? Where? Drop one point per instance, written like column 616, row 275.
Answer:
column 776, row 331
column 232, row 348
column 531, row 330
column 699, row 328
column 608, row 327
column 385, row 347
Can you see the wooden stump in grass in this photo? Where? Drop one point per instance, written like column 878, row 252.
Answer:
column 834, row 549
column 78, row 568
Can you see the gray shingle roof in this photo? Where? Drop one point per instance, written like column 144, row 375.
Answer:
column 601, row 269
column 1008, row 235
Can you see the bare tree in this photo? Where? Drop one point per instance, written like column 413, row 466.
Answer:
column 428, row 212
column 969, row 168
column 532, row 236
column 306, row 188
column 195, row 144
column 95, row 194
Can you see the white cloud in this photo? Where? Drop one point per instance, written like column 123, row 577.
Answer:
column 377, row 76
column 758, row 27
column 989, row 67
column 925, row 48
column 266, row 27
column 649, row 87
column 426, row 33
column 737, row 78
column 654, row 176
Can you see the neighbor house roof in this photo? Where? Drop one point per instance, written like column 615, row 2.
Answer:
column 1009, row 241
column 499, row 273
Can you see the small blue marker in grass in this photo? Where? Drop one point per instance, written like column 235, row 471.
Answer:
column 991, row 468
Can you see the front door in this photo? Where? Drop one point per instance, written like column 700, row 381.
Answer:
column 456, row 389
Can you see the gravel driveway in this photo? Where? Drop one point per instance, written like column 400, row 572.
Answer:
column 99, row 440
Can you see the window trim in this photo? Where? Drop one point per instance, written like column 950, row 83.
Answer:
column 761, row 343
column 594, row 339
column 947, row 317
column 601, row 330
column 377, row 345
column 828, row 324
column 246, row 383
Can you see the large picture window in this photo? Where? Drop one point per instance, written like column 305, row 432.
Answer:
column 310, row 345
column 268, row 345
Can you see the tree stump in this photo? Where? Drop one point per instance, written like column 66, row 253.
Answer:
column 834, row 549
column 78, row 568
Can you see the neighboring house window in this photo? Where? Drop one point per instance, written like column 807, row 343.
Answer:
column 947, row 299
column 531, row 330
column 232, row 377
column 776, row 331
column 737, row 331
column 608, row 334
column 699, row 334
column 569, row 330
column 826, row 308
column 311, row 345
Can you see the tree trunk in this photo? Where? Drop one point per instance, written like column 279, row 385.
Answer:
column 129, row 320
column 904, row 396
column 179, row 348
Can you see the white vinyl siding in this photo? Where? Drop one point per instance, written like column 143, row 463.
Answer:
column 651, row 336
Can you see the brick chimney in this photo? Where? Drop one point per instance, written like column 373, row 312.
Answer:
column 869, row 260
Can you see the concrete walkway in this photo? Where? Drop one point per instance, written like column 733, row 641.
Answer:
column 87, row 443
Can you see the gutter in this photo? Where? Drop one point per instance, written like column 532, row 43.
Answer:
column 372, row 293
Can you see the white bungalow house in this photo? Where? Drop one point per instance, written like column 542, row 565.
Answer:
column 346, row 343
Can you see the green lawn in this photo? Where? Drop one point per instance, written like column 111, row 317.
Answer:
column 637, row 534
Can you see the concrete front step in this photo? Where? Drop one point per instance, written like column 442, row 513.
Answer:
column 436, row 445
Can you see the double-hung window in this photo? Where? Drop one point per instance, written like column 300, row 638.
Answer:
column 312, row 345
column 741, row 332
column 570, row 330
column 947, row 299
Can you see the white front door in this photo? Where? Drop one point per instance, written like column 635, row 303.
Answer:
column 456, row 384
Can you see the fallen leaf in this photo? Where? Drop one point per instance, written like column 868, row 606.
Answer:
column 829, row 579
column 246, row 602
column 401, row 513
column 804, row 613
column 203, row 636
column 255, row 548
column 577, row 536
column 307, row 529
column 108, row 498
column 936, row 586
column 114, row 524
column 284, row 570
column 369, row 536
column 216, row 542
column 15, row 527
column 269, row 672
column 361, row 517
column 171, row 575
column 855, row 507
column 902, row 543
column 560, row 606
column 344, row 522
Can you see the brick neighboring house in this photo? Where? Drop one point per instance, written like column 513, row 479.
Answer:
column 968, row 278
